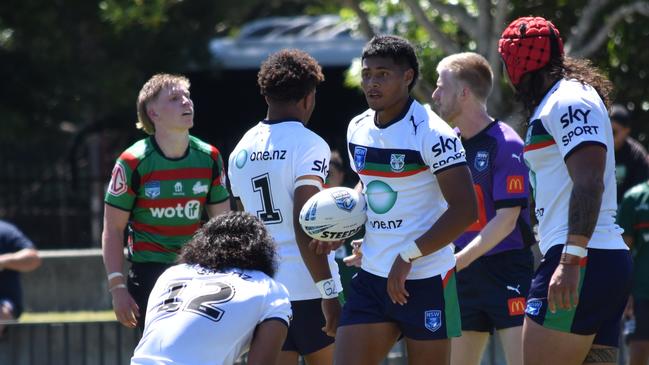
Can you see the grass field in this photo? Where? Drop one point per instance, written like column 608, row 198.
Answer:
column 82, row 316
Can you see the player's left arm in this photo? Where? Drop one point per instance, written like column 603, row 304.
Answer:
column 456, row 186
column 238, row 204
column 27, row 259
column 586, row 166
column 24, row 257
column 493, row 233
column 219, row 208
column 267, row 342
column 218, row 198
column 510, row 194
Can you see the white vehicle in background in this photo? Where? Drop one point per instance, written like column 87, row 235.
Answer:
column 330, row 40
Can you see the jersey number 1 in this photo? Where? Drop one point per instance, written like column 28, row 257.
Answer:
column 269, row 214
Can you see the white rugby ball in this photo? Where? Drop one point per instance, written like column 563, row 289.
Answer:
column 333, row 214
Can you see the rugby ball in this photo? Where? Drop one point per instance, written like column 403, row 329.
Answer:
column 333, row 214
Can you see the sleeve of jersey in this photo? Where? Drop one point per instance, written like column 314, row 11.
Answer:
column 510, row 176
column 626, row 214
column 278, row 305
column 442, row 149
column 575, row 122
column 120, row 193
column 233, row 187
column 218, row 190
column 350, row 153
column 313, row 160
column 16, row 240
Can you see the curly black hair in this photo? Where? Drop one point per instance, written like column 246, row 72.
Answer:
column 232, row 240
column 396, row 48
column 289, row 75
column 530, row 91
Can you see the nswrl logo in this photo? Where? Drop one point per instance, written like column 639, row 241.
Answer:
column 344, row 200
column 433, row 320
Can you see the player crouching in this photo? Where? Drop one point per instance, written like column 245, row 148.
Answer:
column 219, row 301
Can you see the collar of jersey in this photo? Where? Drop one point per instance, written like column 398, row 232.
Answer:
column 481, row 133
column 277, row 121
column 159, row 150
column 549, row 91
column 398, row 118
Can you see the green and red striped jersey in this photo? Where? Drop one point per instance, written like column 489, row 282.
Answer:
column 166, row 197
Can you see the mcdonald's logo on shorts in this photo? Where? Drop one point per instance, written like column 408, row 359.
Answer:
column 515, row 184
column 516, row 306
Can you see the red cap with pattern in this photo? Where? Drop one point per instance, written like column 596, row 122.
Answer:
column 526, row 46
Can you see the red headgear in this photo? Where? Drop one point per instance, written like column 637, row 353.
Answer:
column 526, row 44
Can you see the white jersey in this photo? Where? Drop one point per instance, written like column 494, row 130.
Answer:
column 263, row 169
column 197, row 316
column 569, row 116
column 397, row 164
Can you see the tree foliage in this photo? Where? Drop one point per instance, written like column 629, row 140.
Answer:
column 607, row 31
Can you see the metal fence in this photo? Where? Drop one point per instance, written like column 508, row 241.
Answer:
column 110, row 343
column 96, row 343
column 54, row 192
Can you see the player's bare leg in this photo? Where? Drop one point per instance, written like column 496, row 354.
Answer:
column 6, row 314
column 639, row 352
column 365, row 344
column 468, row 349
column 430, row 352
column 542, row 346
column 323, row 356
column 512, row 342
column 287, row 358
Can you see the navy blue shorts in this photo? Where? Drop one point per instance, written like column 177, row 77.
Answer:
column 305, row 334
column 142, row 276
column 604, row 287
column 641, row 314
column 493, row 289
column 432, row 311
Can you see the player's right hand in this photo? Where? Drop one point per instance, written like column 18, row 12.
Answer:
column 563, row 290
column 324, row 247
column 125, row 308
column 356, row 257
column 396, row 285
column 461, row 260
column 331, row 310
column 628, row 310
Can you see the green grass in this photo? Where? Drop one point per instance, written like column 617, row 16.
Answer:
column 81, row 316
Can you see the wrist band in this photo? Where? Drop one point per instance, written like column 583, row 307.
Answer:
column 114, row 275
column 411, row 252
column 327, row 288
column 575, row 250
column 311, row 182
column 117, row 287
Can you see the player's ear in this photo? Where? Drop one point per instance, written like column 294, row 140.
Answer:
column 408, row 76
column 306, row 101
column 151, row 112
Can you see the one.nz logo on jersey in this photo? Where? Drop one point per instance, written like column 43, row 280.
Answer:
column 397, row 162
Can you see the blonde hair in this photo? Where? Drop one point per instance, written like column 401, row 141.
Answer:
column 472, row 69
column 150, row 90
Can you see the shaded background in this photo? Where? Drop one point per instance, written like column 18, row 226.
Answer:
column 71, row 71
